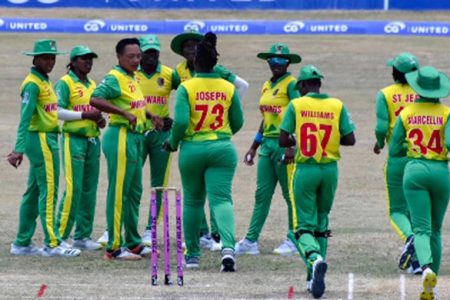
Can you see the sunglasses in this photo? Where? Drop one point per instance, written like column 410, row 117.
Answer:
column 278, row 61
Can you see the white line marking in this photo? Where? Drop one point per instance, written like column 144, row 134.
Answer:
column 402, row 287
column 350, row 286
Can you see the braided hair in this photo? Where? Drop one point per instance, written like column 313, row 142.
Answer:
column 206, row 53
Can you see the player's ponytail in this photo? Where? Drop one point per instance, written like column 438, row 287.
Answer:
column 206, row 53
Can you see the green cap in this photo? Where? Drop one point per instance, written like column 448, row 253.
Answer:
column 429, row 82
column 280, row 50
column 44, row 47
column 149, row 41
column 404, row 62
column 309, row 72
column 81, row 50
column 177, row 42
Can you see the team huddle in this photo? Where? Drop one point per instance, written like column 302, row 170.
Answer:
column 298, row 145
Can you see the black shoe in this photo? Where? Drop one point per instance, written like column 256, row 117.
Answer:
column 228, row 261
column 407, row 254
column 318, row 280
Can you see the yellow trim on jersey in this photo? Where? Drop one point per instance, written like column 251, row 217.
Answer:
column 69, row 185
column 397, row 96
column 388, row 207
column 50, row 200
column 120, row 178
column 290, row 169
column 167, row 172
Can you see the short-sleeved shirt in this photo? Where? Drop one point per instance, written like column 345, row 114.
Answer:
column 319, row 122
column 122, row 89
column 39, row 108
column 156, row 89
column 424, row 125
column 275, row 97
column 75, row 94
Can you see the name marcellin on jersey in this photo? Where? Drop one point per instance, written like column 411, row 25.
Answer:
column 425, row 120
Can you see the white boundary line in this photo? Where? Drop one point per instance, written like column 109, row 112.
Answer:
column 402, row 287
column 350, row 286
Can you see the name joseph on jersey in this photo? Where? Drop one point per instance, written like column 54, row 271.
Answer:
column 210, row 96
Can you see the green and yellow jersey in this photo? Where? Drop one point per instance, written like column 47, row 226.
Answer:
column 390, row 101
column 206, row 108
column 74, row 94
column 275, row 97
column 184, row 73
column 425, row 127
column 156, row 89
column 39, row 108
column 122, row 89
column 319, row 122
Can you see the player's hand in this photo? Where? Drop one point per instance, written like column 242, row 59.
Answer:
column 288, row 157
column 131, row 118
column 15, row 159
column 167, row 124
column 101, row 123
column 249, row 156
column 93, row 115
column 158, row 122
column 166, row 147
column 376, row 148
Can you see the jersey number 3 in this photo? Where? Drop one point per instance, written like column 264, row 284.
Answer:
column 217, row 110
column 309, row 136
column 435, row 144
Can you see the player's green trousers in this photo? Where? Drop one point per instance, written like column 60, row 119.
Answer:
column 270, row 171
column 426, row 185
column 159, row 163
column 123, row 152
column 313, row 187
column 207, row 170
column 395, row 200
column 81, row 163
column 42, row 189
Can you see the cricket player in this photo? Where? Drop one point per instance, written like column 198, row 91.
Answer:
column 80, row 149
column 207, row 114
column 321, row 124
column 425, row 128
column 390, row 101
column 273, row 162
column 119, row 95
column 37, row 137
column 184, row 44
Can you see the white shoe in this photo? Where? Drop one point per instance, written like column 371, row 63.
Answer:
column 318, row 278
column 121, row 254
column 147, row 238
column 65, row 244
column 244, row 246
column 30, row 250
column 309, row 286
column 287, row 248
column 60, row 251
column 205, row 241
column 87, row 244
column 103, row 240
column 216, row 246
column 429, row 282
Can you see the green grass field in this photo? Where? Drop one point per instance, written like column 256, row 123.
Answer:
column 363, row 242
